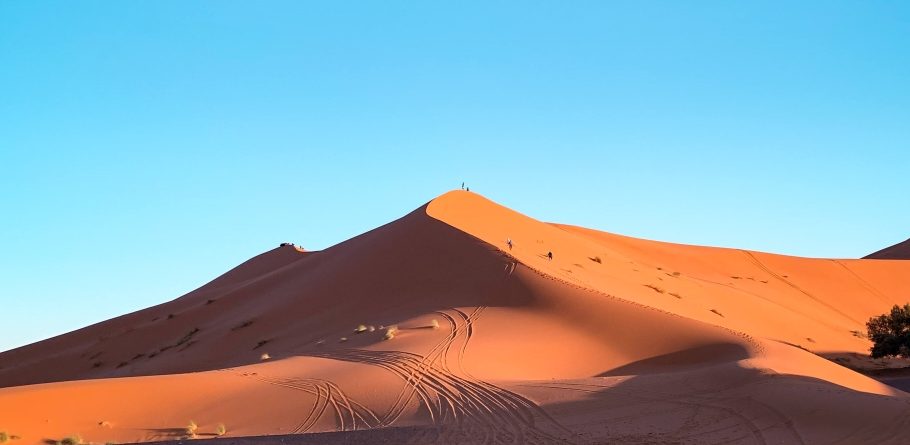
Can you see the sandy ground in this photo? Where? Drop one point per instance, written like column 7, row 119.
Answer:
column 613, row 340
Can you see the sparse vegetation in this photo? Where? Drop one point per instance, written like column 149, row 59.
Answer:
column 595, row 259
column 360, row 329
column 434, row 324
column 390, row 332
column 655, row 288
column 220, row 430
column 191, row 429
column 890, row 333
column 265, row 356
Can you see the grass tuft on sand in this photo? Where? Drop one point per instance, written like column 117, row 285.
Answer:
column 191, row 429
column 390, row 332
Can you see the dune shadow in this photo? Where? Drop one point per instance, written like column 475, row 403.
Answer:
column 167, row 433
column 696, row 357
column 716, row 403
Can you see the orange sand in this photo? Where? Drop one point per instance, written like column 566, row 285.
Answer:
column 615, row 340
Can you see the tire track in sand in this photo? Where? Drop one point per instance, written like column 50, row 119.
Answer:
column 346, row 411
column 458, row 405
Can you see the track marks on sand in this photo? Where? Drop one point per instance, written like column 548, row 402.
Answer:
column 349, row 414
column 708, row 418
column 461, row 406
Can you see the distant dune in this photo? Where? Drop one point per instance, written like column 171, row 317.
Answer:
column 434, row 329
column 899, row 251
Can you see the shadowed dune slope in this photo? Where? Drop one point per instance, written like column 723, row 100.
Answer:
column 615, row 339
column 899, row 251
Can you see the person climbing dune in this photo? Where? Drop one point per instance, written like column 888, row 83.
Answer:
column 549, row 256
column 509, row 242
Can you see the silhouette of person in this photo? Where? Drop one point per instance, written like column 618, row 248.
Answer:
column 462, row 185
column 549, row 256
column 509, row 242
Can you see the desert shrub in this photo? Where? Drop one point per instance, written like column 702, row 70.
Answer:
column 4, row 437
column 220, row 429
column 890, row 333
column 265, row 356
column 191, row 429
column 390, row 332
column 360, row 329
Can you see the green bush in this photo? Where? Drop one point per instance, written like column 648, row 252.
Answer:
column 890, row 333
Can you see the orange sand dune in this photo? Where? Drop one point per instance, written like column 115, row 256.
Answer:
column 615, row 339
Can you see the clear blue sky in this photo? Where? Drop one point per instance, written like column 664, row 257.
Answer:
column 148, row 146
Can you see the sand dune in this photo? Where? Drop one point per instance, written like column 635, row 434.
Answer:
column 615, row 339
column 899, row 251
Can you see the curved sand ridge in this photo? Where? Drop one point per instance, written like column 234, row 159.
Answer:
column 613, row 340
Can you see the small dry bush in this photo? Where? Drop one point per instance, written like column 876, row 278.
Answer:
column 191, row 429
column 390, row 332
column 220, row 430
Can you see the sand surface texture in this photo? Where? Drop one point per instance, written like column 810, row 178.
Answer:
column 432, row 329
